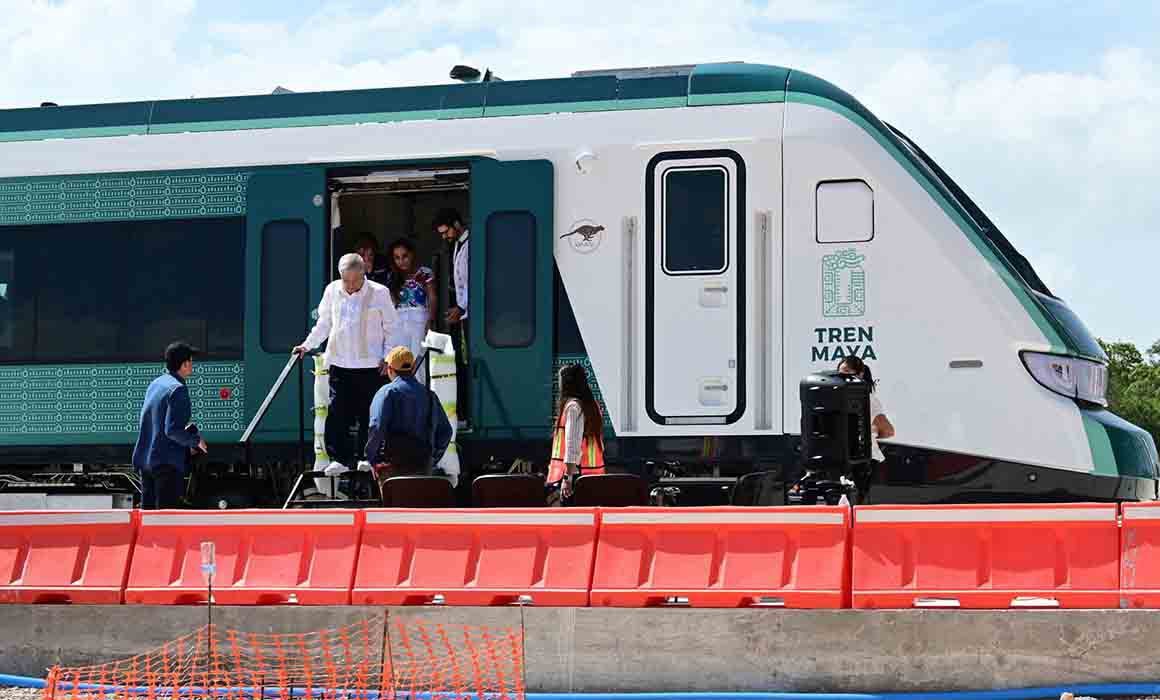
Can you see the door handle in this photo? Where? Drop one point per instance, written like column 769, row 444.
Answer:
column 719, row 288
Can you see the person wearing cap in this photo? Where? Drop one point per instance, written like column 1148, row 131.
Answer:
column 356, row 318
column 166, row 437
column 409, row 429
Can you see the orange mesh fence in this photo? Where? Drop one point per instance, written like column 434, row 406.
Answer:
column 373, row 659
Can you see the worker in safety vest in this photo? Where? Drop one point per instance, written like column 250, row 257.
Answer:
column 578, row 442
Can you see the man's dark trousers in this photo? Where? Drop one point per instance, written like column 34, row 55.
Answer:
column 351, row 392
column 460, row 337
column 161, row 487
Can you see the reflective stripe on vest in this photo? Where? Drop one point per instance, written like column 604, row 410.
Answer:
column 591, row 453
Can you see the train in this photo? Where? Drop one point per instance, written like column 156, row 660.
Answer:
column 700, row 237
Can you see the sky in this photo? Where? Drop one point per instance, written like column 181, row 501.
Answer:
column 1046, row 113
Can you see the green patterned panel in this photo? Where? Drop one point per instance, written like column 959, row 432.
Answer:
column 54, row 404
column 560, row 361
column 122, row 197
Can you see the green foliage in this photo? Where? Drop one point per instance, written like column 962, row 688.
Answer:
column 1134, row 384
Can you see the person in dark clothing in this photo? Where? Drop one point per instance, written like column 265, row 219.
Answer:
column 161, row 454
column 448, row 225
column 368, row 248
column 409, row 431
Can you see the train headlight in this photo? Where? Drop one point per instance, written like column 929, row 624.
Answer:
column 1072, row 377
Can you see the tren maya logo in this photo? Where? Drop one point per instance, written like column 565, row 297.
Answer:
column 843, row 284
column 844, row 298
column 584, row 236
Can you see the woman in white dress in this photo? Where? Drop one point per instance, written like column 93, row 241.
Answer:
column 413, row 289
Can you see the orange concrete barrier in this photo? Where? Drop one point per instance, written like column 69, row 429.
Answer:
column 64, row 556
column 1140, row 556
column 986, row 556
column 476, row 557
column 261, row 557
column 794, row 557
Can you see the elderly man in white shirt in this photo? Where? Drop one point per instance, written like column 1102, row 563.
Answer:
column 356, row 317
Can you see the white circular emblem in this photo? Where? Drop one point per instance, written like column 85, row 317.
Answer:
column 318, row 200
column 584, row 236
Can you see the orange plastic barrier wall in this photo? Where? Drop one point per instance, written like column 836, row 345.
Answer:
column 1140, row 556
column 969, row 556
column 722, row 557
column 986, row 556
column 476, row 557
column 262, row 557
column 64, row 556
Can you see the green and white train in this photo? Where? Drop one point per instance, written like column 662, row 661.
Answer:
column 701, row 236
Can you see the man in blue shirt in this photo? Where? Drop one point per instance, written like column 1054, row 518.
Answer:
column 161, row 455
column 409, row 430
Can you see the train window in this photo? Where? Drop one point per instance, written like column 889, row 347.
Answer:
column 122, row 291
column 845, row 212
column 509, row 285
column 285, row 299
column 7, row 321
column 695, row 235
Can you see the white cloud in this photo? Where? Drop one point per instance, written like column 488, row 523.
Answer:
column 820, row 11
column 86, row 50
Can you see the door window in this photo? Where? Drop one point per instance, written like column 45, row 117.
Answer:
column 694, row 236
column 284, row 301
column 509, row 304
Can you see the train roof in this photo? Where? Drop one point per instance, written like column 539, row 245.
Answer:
column 604, row 90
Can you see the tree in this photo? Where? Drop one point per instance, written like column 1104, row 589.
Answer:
column 1134, row 384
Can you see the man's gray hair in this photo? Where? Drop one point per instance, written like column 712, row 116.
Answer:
column 352, row 262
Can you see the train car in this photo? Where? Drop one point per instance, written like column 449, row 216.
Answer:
column 701, row 237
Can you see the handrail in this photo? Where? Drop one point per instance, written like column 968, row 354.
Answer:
column 248, row 434
column 261, row 413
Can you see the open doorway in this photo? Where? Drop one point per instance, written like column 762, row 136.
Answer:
column 398, row 204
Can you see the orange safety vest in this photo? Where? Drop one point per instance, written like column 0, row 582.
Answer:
column 591, row 453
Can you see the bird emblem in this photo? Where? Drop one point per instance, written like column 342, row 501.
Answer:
column 587, row 232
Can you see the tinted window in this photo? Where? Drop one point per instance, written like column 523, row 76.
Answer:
column 7, row 313
column 695, row 219
column 120, row 292
column 509, row 285
column 285, row 302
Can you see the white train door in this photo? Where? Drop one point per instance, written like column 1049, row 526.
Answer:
column 695, row 281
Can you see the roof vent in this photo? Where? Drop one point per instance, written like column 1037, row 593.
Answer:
column 468, row 74
column 49, row 104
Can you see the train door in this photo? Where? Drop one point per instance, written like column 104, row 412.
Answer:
column 284, row 222
column 695, row 281
column 510, row 299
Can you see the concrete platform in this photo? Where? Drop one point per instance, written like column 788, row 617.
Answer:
column 629, row 650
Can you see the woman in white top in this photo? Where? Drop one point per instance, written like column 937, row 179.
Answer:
column 413, row 291
column 880, row 426
column 578, row 440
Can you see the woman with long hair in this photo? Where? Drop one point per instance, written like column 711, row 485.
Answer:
column 413, row 290
column 578, row 440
